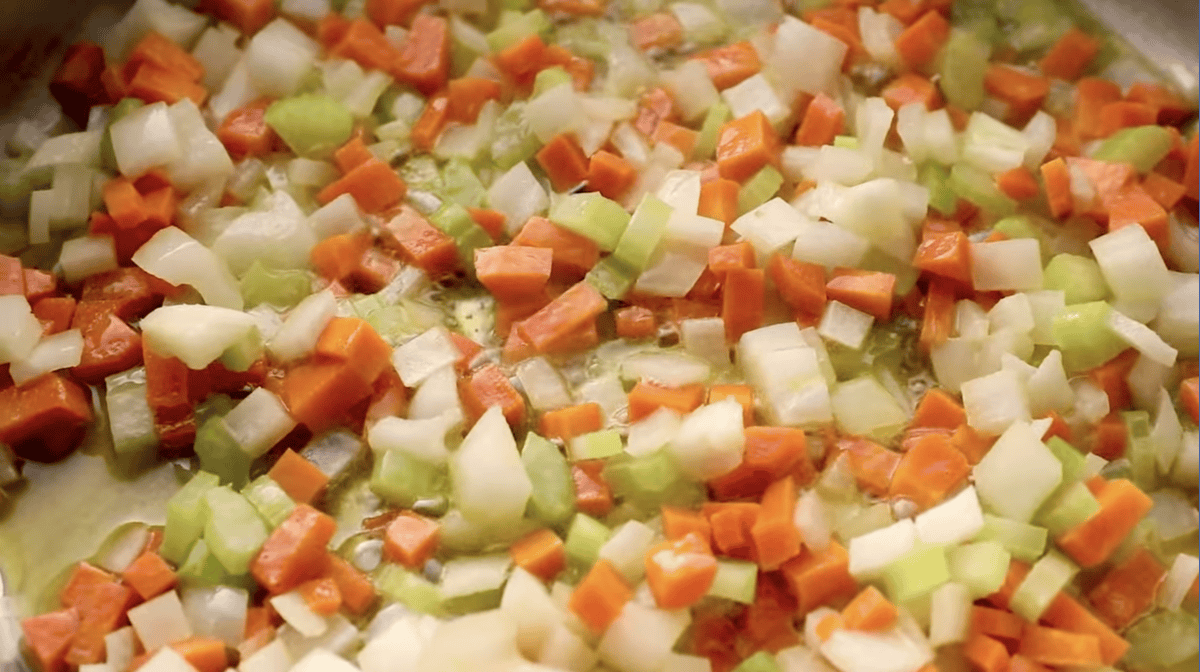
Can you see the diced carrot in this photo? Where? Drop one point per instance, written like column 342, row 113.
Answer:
column 938, row 409
column 364, row 43
column 1134, row 205
column 331, row 29
column 355, row 589
column 393, row 12
column 44, row 419
column 491, row 221
column 564, row 162
column 149, row 575
column 374, row 186
column 352, row 154
column 354, row 341
column 489, row 387
column 1112, row 377
column 1191, row 175
column 1019, row 663
column 1127, row 590
column 1164, row 190
column 823, row 121
column 12, row 276
column 636, row 322
column 905, row 11
column 513, row 272
column 573, row 7
column 819, row 577
column 321, row 595
column 911, row 87
column 1023, row 92
column 1125, row 114
column 123, row 202
column 647, row 397
column 110, row 345
column 466, row 96
column 735, row 255
column 921, row 41
column 302, row 480
column 869, row 610
column 593, row 495
column 1057, row 181
column 680, row 137
column 598, row 599
column 424, row 60
column 985, row 654
column 770, row 453
column 48, row 637
column 776, row 539
column 1092, row 94
column 678, row 523
column 429, row 126
column 154, row 83
column 743, row 394
column 610, row 174
column 680, row 572
column 101, row 608
column 871, row 464
column 76, row 84
column 718, row 200
column 83, row 576
column 660, row 30
column 572, row 421
column 205, row 654
column 1058, row 648
column 745, row 145
column 868, row 291
column 1070, row 56
column 295, row 551
column 574, row 309
column 731, row 64
column 769, row 622
column 654, row 107
column 421, row 243
column 160, row 207
column 1189, row 397
column 732, row 524
column 801, row 285
column 1172, row 108
column 516, row 349
column 55, row 314
column 1091, row 542
column 336, row 257
column 522, row 59
column 945, row 254
column 573, row 255
column 829, row 624
column 1065, row 613
column 1018, row 183
column 996, row 623
column 929, row 471
column 248, row 15
column 162, row 52
column 540, row 553
column 846, row 31
column 411, row 539
column 742, row 301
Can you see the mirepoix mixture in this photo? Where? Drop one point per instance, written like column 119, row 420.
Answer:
column 586, row 336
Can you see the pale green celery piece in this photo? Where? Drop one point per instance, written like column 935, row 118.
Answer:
column 1162, row 641
column 108, row 160
column 512, row 141
column 1078, row 277
column 1072, row 460
column 1022, row 226
column 401, row 480
column 592, row 216
column 244, row 353
column 581, row 37
column 759, row 662
column 421, row 173
column 845, row 141
column 408, row 588
column 517, row 5
column 1139, row 449
column 1023, row 541
column 550, row 78
column 130, row 419
column 474, row 583
column 980, row 566
column 454, row 220
column 649, row 481
column 1045, row 579
column 1084, row 337
column 311, row 124
column 201, row 568
column 964, row 62
column 936, row 179
column 978, row 17
column 186, row 516
column 584, row 539
column 611, row 277
column 269, row 499
column 1067, row 508
column 759, row 189
column 234, row 531
column 710, row 130
column 461, row 185
column 645, row 230
column 596, row 445
column 553, row 498
column 1142, row 146
column 735, row 580
column 980, row 188
column 220, row 454
column 515, row 26
column 279, row 288
column 916, row 573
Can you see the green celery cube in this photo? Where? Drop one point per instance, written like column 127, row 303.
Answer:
column 596, row 445
column 593, row 216
column 735, row 580
column 980, row 566
column 270, row 500
column 553, row 499
column 408, row 588
column 916, row 573
column 1082, row 333
column 234, row 531
column 186, row 516
column 1046, row 578
column 1024, row 541
column 584, row 539
column 401, row 479
column 1078, row 277
column 311, row 124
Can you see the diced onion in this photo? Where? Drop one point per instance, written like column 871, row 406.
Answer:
column 59, row 351
column 420, row 357
column 86, row 256
column 278, row 58
column 160, row 621
column 20, row 331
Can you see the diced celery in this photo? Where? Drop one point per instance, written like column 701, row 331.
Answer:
column 759, row 662
column 553, row 499
column 964, row 62
column 582, row 38
column 244, row 352
column 977, row 17
column 759, row 189
column 234, row 532
column 1046, row 578
column 1078, row 277
column 421, row 173
column 596, row 445
column 311, row 124
column 584, row 539
column 710, row 129
column 650, row 481
column 611, row 277
column 130, row 419
column 936, row 179
column 220, row 454
column 401, row 479
column 1020, row 226
column 548, row 79
column 1082, row 333
column 473, row 583
column 1072, row 460
column 512, row 140
column 1139, row 449
column 118, row 112
column 1023, row 541
column 642, row 235
column 979, row 188
column 845, row 141
column 201, row 567
column 515, row 26
column 454, row 220
column 269, row 499
column 408, row 588
column 980, row 566
column 1069, row 507
column 280, row 288
column 1163, row 640
column 186, row 516
column 1142, row 146
column 592, row 216
column 461, row 185
column 916, row 573
column 735, row 580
